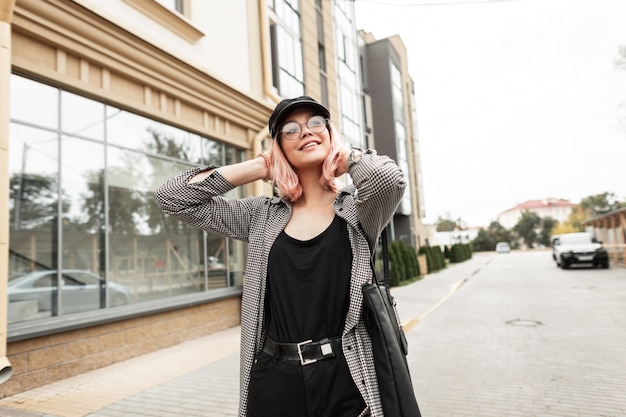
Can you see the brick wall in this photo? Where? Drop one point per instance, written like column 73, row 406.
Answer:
column 46, row 359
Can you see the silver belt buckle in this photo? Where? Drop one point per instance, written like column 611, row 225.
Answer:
column 302, row 360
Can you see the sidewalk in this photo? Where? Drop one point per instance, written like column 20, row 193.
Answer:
column 199, row 377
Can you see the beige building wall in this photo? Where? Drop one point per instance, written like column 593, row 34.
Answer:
column 84, row 52
column 216, row 43
column 211, row 77
column 68, row 44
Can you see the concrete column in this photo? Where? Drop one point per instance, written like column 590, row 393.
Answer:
column 6, row 15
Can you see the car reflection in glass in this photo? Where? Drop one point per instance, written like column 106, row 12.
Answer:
column 34, row 294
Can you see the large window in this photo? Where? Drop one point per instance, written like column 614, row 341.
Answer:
column 85, row 233
column 286, row 47
column 346, row 49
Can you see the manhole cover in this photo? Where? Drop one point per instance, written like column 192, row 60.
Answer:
column 524, row 323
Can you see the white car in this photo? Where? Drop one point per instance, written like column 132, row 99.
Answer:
column 503, row 247
column 579, row 248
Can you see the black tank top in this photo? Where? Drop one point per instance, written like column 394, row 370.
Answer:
column 309, row 285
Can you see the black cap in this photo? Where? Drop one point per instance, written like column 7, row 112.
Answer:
column 285, row 106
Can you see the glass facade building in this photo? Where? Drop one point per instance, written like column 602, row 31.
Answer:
column 104, row 102
column 349, row 78
column 286, row 48
column 85, row 233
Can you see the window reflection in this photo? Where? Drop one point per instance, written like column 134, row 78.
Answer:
column 82, row 177
column 113, row 246
column 33, row 188
column 33, row 215
column 215, row 153
column 81, row 116
column 146, row 135
column 34, row 102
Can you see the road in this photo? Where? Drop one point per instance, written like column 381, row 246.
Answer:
column 507, row 335
column 524, row 338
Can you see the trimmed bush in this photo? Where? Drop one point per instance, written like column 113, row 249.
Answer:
column 460, row 252
column 403, row 264
column 396, row 265
column 435, row 259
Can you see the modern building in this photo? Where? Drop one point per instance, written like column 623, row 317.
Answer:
column 391, row 126
column 557, row 209
column 100, row 102
column 107, row 100
column 453, row 237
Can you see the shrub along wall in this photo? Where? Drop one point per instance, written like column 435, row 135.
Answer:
column 460, row 252
column 434, row 258
column 403, row 264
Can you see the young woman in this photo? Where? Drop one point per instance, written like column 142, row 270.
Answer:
column 305, row 349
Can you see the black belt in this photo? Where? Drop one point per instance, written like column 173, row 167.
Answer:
column 306, row 352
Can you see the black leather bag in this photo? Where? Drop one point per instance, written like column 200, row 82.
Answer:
column 389, row 345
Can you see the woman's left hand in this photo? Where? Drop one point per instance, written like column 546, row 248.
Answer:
column 342, row 161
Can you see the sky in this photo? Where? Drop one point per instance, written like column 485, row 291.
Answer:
column 516, row 100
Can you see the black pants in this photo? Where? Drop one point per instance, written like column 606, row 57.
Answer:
column 280, row 388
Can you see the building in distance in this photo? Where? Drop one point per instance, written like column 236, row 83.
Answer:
column 556, row 208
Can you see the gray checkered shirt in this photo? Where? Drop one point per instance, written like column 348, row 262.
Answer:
column 367, row 205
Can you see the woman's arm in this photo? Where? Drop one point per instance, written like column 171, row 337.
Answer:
column 240, row 173
column 380, row 186
column 195, row 197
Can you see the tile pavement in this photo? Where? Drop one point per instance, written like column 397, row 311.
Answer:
column 196, row 378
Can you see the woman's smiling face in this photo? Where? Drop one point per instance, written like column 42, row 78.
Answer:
column 308, row 148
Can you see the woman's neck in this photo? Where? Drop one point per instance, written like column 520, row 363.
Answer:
column 313, row 193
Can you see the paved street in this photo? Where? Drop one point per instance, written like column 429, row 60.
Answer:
column 506, row 335
column 524, row 338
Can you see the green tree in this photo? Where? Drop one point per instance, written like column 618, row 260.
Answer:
column 483, row 241
column 500, row 234
column 527, row 227
column 448, row 224
column 573, row 223
column 596, row 205
column 486, row 239
column 589, row 207
column 547, row 225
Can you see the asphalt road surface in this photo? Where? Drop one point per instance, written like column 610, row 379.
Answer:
column 521, row 337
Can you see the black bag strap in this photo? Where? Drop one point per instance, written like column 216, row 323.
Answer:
column 386, row 290
column 385, row 252
column 383, row 240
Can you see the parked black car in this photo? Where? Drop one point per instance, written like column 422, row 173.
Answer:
column 579, row 249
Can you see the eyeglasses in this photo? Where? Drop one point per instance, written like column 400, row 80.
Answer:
column 293, row 130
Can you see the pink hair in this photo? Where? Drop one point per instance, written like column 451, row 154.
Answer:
column 286, row 178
